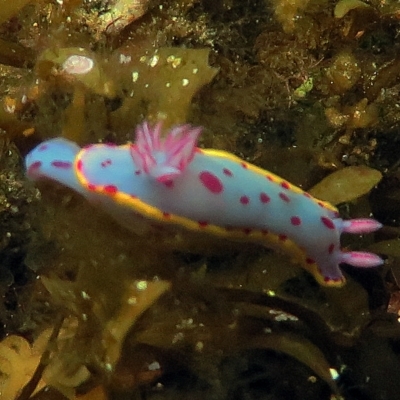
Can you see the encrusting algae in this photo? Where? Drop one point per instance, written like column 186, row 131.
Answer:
column 299, row 88
column 63, row 368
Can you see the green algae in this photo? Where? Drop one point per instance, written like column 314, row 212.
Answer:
column 286, row 85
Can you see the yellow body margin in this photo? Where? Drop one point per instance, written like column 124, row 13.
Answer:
column 268, row 239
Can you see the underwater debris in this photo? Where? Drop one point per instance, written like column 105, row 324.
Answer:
column 74, row 65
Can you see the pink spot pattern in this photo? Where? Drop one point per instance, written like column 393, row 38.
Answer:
column 244, row 200
column 79, row 165
column 111, row 189
column 32, row 169
column 296, row 221
column 61, row 164
column 106, row 163
column 328, row 222
column 35, row 165
column 284, row 197
column 227, row 172
column 285, row 185
column 264, row 198
column 211, row 182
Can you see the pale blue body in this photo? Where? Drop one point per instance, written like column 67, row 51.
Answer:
column 187, row 197
column 57, row 149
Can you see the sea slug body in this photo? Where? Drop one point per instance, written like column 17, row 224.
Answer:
column 171, row 181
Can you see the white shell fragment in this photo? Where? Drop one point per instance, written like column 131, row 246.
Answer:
column 77, row 65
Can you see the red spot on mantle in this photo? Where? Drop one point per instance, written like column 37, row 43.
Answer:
column 202, row 224
column 227, row 172
column 331, row 248
column 61, row 164
column 106, row 162
column 79, row 165
column 296, row 221
column 211, row 182
column 285, row 185
column 284, row 197
column 34, row 166
column 169, row 184
column 244, row 200
column 110, row 189
column 328, row 222
column 264, row 198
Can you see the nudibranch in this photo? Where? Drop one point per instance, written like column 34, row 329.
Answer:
column 172, row 182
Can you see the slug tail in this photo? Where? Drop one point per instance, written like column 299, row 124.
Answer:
column 54, row 159
column 326, row 274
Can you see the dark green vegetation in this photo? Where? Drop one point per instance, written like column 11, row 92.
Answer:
column 302, row 88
